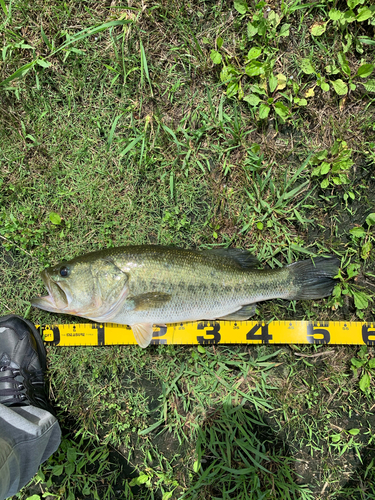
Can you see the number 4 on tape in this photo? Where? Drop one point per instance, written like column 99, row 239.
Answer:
column 259, row 332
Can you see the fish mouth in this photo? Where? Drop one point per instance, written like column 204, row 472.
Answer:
column 57, row 299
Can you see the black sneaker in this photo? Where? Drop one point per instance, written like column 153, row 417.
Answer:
column 22, row 364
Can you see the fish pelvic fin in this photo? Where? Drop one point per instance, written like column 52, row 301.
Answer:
column 143, row 333
column 242, row 314
column 313, row 279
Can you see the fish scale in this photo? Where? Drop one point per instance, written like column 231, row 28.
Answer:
column 195, row 289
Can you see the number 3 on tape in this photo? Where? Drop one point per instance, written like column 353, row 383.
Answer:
column 213, row 333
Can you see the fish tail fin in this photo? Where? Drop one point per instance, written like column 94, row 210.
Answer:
column 313, row 279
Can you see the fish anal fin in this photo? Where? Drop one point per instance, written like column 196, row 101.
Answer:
column 150, row 300
column 242, row 314
column 142, row 333
column 242, row 258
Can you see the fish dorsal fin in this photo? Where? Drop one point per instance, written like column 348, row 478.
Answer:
column 142, row 333
column 150, row 300
column 244, row 313
column 243, row 258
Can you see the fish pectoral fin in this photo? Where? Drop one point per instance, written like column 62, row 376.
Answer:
column 244, row 313
column 150, row 300
column 142, row 333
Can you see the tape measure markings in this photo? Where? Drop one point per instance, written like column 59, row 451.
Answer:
column 216, row 332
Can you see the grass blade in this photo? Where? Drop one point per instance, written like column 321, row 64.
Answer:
column 210, row 103
column 296, row 175
column 197, row 44
column 20, row 72
column 221, row 109
column 171, row 133
column 144, row 67
column 112, row 131
column 88, row 32
column 366, row 40
column 131, row 145
column 151, row 428
column 142, row 149
column 304, row 6
column 3, row 6
column 295, row 191
column 171, row 184
column 46, row 41
column 297, row 248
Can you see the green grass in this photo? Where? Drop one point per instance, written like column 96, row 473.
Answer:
column 196, row 124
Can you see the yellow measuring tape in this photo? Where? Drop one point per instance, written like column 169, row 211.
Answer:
column 216, row 332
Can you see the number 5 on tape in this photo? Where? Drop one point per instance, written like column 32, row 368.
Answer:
column 318, row 335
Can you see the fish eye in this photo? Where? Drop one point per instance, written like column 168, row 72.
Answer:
column 64, row 271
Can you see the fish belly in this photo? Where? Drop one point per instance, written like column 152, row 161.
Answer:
column 190, row 312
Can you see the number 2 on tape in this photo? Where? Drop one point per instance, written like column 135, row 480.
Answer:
column 156, row 336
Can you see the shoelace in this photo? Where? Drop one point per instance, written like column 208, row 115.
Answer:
column 29, row 391
column 14, row 393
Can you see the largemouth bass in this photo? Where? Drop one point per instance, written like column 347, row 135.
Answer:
column 145, row 285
